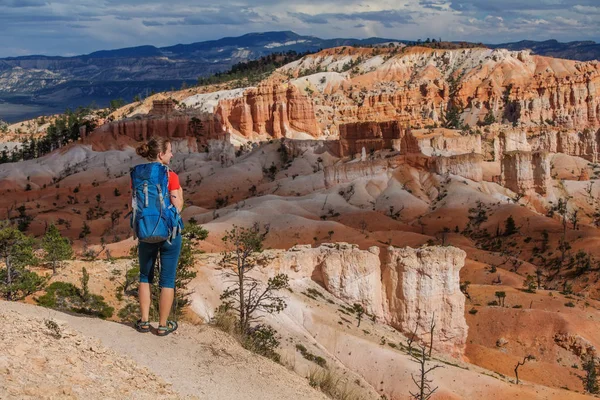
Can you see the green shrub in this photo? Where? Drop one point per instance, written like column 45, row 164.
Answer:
column 65, row 296
column 262, row 339
column 320, row 361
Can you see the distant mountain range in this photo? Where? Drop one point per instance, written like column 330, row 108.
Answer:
column 582, row 50
column 54, row 83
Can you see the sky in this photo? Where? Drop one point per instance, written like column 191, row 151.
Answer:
column 72, row 27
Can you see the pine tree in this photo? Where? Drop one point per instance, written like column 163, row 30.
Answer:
column 57, row 247
column 509, row 226
column 16, row 251
column 247, row 295
column 591, row 375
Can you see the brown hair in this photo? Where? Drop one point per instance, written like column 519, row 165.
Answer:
column 153, row 147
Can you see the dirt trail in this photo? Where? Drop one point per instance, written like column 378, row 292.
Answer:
column 199, row 361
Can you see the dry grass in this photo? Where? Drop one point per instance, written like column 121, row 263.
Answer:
column 331, row 384
column 225, row 321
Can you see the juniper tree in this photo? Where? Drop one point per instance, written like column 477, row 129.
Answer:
column 247, row 295
column 57, row 247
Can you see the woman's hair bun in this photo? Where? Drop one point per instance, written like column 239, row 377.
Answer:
column 143, row 150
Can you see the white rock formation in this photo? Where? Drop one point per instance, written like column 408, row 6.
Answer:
column 350, row 274
column 422, row 285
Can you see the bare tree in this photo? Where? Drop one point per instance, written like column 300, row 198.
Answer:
column 431, row 330
column 424, row 389
column 528, row 357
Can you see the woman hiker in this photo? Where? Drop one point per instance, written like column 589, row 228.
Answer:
column 157, row 200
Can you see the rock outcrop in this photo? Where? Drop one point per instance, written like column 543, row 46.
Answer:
column 412, row 287
column 508, row 141
column 423, row 285
column 542, row 171
column 524, row 171
column 576, row 344
column 465, row 165
column 350, row 274
column 447, row 143
column 374, row 136
column 516, row 171
column 270, row 110
column 350, row 171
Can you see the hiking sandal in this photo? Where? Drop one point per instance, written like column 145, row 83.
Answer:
column 165, row 330
column 142, row 326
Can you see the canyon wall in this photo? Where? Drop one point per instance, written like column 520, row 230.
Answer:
column 423, row 285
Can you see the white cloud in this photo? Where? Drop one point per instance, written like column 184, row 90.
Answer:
column 81, row 26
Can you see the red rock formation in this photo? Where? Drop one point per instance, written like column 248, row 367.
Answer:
column 162, row 107
column 420, row 84
column 375, row 136
column 141, row 127
column 270, row 110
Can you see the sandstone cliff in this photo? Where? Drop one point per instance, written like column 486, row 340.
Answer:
column 423, row 285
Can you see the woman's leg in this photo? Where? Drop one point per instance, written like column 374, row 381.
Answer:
column 147, row 254
column 145, row 300
column 169, row 257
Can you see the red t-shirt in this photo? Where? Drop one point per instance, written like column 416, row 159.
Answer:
column 173, row 181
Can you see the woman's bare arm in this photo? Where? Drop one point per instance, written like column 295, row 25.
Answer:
column 177, row 198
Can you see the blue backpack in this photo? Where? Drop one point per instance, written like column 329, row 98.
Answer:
column 153, row 219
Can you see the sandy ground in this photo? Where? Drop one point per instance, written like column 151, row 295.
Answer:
column 199, row 361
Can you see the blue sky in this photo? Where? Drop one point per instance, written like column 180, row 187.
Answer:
column 69, row 27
